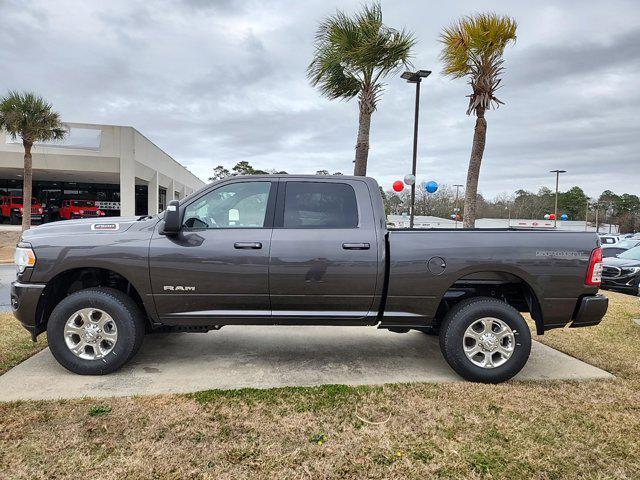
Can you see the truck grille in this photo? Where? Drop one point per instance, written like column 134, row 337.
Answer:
column 611, row 272
column 90, row 213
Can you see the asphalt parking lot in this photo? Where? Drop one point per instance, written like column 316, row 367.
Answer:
column 264, row 357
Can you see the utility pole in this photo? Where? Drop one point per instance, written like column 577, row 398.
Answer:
column 415, row 77
column 455, row 203
column 555, row 216
column 586, row 216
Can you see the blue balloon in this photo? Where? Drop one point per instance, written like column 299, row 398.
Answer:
column 431, row 186
column 564, row 216
column 453, row 216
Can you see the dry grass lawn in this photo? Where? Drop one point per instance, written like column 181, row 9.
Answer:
column 15, row 343
column 541, row 430
column 8, row 241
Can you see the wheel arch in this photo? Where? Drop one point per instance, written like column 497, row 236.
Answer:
column 75, row 279
column 502, row 284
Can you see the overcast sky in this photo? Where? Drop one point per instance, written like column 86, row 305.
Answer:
column 216, row 82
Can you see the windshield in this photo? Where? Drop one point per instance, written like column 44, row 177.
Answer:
column 83, row 203
column 627, row 244
column 631, row 254
column 18, row 200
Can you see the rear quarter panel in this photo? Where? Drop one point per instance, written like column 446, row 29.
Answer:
column 554, row 264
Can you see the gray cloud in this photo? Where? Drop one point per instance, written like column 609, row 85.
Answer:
column 222, row 81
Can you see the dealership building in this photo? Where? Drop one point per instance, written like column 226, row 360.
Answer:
column 116, row 166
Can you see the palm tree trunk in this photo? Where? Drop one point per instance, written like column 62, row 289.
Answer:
column 364, row 126
column 471, row 189
column 27, row 186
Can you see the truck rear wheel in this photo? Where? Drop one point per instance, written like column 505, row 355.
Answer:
column 95, row 331
column 485, row 340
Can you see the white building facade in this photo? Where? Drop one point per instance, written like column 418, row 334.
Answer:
column 116, row 166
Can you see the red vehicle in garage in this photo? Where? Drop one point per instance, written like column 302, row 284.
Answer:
column 11, row 209
column 79, row 209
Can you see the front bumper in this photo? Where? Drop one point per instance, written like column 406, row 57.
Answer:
column 34, row 216
column 24, row 303
column 625, row 284
column 590, row 311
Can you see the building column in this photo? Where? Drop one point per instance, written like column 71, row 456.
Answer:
column 127, row 173
column 171, row 191
column 153, row 195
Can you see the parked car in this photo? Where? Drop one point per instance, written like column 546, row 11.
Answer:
column 299, row 250
column 11, row 209
column 79, row 209
column 621, row 246
column 609, row 239
column 622, row 273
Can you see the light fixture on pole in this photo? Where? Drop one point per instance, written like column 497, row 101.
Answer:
column 557, row 172
column 415, row 77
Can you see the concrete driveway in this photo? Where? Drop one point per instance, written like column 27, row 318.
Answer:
column 7, row 275
column 264, row 357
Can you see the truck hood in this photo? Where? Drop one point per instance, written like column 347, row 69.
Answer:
column 84, row 226
column 620, row 262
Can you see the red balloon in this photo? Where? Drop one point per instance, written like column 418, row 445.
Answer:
column 398, row 185
column 552, row 216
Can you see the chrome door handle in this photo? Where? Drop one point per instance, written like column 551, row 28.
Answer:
column 248, row 245
column 356, row 246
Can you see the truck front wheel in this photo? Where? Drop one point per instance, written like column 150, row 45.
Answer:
column 485, row 340
column 95, row 331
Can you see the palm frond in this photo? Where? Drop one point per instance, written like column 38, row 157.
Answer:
column 353, row 54
column 474, row 47
column 30, row 117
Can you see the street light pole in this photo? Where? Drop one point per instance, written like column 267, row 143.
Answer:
column 586, row 216
column 455, row 206
column 555, row 216
column 415, row 77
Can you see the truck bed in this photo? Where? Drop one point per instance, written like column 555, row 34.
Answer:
column 427, row 265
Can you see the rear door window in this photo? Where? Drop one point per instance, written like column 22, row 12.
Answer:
column 320, row 205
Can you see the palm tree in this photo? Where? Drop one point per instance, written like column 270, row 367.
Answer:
column 352, row 56
column 29, row 116
column 473, row 48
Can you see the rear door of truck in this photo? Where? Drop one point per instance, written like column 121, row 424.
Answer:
column 323, row 264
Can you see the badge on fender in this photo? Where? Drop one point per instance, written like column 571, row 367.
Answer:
column 105, row 226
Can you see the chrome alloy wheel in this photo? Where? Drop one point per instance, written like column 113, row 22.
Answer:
column 488, row 342
column 90, row 333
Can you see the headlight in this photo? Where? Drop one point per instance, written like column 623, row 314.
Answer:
column 24, row 257
column 630, row 270
column 81, row 212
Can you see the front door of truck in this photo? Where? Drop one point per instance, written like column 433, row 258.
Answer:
column 324, row 255
column 217, row 268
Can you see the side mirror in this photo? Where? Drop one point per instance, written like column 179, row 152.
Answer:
column 172, row 218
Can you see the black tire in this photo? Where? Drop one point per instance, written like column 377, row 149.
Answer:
column 464, row 314
column 14, row 220
column 126, row 315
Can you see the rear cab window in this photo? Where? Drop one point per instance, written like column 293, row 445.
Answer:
column 319, row 205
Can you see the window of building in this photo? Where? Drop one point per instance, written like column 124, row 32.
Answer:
column 237, row 205
column 81, row 138
column 320, row 205
column 162, row 199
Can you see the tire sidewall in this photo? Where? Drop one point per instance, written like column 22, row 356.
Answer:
column 122, row 317
column 459, row 322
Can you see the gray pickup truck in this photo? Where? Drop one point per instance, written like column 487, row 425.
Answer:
column 299, row 250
